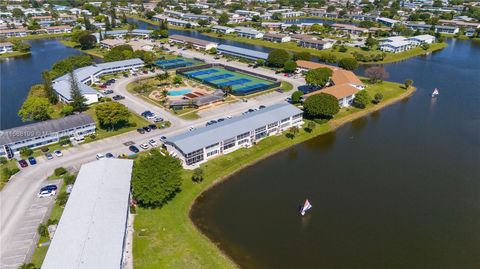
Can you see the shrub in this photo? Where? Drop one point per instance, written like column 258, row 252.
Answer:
column 69, row 179
column 297, row 96
column 197, row 175
column 25, row 152
column 321, row 105
column 62, row 199
column 59, row 171
column 42, row 230
column 3, row 160
column 64, row 140
column 361, row 99
column 378, row 97
column 52, row 222
column 348, row 63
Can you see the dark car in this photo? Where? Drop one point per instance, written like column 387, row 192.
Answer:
column 140, row 130
column 220, row 120
column 118, row 97
column 251, row 110
column 261, row 107
column 125, row 75
column 45, row 150
column 146, row 128
column 23, row 163
column 107, row 91
column 109, row 155
column 152, row 126
column 147, row 113
column 134, row 149
column 32, row 160
column 49, row 188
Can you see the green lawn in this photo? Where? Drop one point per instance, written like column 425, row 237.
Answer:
column 39, row 36
column 11, row 164
column 96, row 52
column 166, row 237
column 286, row 86
column 135, row 122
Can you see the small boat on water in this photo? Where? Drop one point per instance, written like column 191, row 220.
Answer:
column 435, row 93
column 306, row 206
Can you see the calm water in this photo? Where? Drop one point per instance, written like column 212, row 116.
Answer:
column 20, row 73
column 397, row 189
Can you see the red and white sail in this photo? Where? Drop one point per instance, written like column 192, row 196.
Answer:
column 306, row 207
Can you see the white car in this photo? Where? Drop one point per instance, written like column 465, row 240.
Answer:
column 58, row 153
column 46, row 193
column 151, row 116
column 144, row 146
column 100, row 156
column 153, row 143
column 192, row 128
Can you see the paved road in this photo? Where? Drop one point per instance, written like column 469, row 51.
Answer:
column 21, row 211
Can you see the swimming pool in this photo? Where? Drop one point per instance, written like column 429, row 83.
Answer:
column 179, row 92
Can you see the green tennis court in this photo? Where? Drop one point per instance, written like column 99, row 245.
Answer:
column 219, row 77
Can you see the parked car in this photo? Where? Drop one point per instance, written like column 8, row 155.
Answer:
column 51, row 187
column 157, row 119
column 140, row 130
column 118, row 97
column 103, row 86
column 229, row 117
column 109, row 155
column 220, row 120
column 133, row 149
column 152, row 143
column 45, row 150
column 46, row 193
column 107, row 91
column 58, row 153
column 49, row 156
column 261, row 107
column 125, row 75
column 32, row 160
column 146, row 128
column 144, row 146
column 23, row 163
column 163, row 138
column 100, row 156
column 251, row 110
column 147, row 114
column 191, row 128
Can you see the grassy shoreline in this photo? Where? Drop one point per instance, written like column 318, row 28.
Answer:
column 14, row 54
column 95, row 52
column 167, row 237
column 39, row 36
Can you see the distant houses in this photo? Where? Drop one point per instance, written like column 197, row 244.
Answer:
column 248, row 32
column 199, row 44
column 396, row 44
column 276, row 38
column 222, row 29
column 315, row 44
column 6, row 47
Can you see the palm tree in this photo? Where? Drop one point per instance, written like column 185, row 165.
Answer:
column 164, row 94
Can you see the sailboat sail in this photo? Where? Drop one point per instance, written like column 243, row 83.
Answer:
column 306, row 207
column 435, row 92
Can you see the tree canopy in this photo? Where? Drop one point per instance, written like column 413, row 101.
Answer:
column 290, row 67
column 87, row 42
column 64, row 66
column 112, row 114
column 361, row 99
column 278, row 57
column 348, row 63
column 35, row 108
column 319, row 76
column 78, row 101
column 156, row 179
column 321, row 105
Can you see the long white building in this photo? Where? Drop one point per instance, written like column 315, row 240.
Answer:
column 90, row 74
column 200, row 145
column 92, row 231
column 45, row 133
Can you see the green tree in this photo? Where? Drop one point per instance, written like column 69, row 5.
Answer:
column 108, row 26
column 376, row 74
column 203, row 23
column 293, row 131
column 25, row 152
column 42, row 230
column 88, row 25
column 408, row 83
column 87, row 42
column 35, row 108
column 27, row 266
column 48, row 88
column 59, row 171
column 290, row 67
column 177, row 80
column 156, row 179
column 371, row 42
column 223, row 19
column 64, row 66
column 278, row 57
column 303, row 55
column 378, row 98
column 361, row 99
column 112, row 114
column 21, row 46
column 310, row 126
column 297, row 96
column 62, row 199
column 78, row 101
column 348, row 63
column 321, row 105
column 319, row 76
column 17, row 13
column 197, row 175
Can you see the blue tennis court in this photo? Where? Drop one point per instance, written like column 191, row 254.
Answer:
column 169, row 61
column 251, row 87
column 202, row 72
column 233, row 82
column 218, row 77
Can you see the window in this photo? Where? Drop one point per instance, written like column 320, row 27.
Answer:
column 211, row 153
column 285, row 120
column 261, row 129
column 271, row 125
column 247, row 134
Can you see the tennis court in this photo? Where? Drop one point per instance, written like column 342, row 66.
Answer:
column 175, row 63
column 241, row 83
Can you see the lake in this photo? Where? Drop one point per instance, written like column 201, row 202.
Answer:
column 20, row 73
column 399, row 188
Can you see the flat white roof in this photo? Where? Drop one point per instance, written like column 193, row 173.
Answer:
column 91, row 231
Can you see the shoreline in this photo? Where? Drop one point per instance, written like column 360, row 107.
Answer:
column 334, row 125
column 14, row 54
column 191, row 248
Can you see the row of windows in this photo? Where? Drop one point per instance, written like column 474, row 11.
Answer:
column 213, row 152
column 194, row 153
column 247, row 134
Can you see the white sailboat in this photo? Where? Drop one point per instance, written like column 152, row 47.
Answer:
column 306, row 207
column 435, row 92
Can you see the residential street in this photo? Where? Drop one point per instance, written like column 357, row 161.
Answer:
column 18, row 201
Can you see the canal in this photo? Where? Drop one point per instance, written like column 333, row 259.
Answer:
column 399, row 188
column 20, row 73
